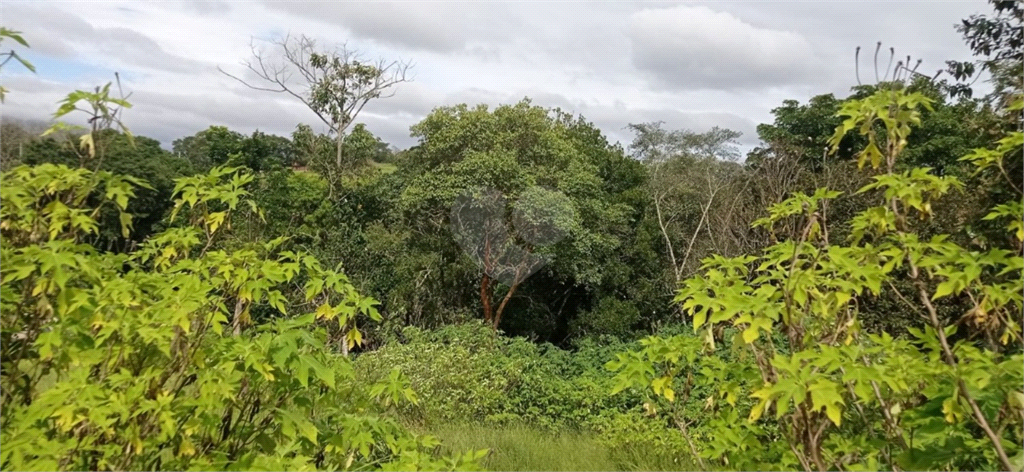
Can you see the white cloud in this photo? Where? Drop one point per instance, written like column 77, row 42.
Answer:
column 693, row 66
column 695, row 47
column 443, row 27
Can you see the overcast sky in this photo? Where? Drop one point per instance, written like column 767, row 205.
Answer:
column 692, row 65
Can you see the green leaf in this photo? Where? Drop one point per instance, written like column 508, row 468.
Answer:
column 834, row 413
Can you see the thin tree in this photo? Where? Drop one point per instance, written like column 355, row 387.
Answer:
column 334, row 84
column 687, row 173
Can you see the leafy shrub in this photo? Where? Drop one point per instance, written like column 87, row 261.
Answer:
column 465, row 373
column 468, row 377
column 149, row 360
column 831, row 396
column 611, row 317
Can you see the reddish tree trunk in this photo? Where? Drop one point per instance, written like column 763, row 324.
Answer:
column 501, row 307
column 485, row 297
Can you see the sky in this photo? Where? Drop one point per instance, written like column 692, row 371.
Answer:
column 693, row 65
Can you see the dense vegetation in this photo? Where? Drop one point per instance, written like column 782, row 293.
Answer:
column 516, row 292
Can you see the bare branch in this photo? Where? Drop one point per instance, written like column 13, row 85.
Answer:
column 334, row 84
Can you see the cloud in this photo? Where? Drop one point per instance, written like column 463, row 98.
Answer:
column 62, row 34
column 697, row 48
column 208, row 7
column 615, row 63
column 442, row 27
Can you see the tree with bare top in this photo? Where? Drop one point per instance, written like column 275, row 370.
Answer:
column 335, row 84
column 688, row 174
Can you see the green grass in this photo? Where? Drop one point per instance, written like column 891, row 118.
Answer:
column 519, row 447
column 525, row 448
column 385, row 167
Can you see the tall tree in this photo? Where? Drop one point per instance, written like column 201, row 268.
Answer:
column 503, row 177
column 335, row 84
column 997, row 42
column 688, row 173
column 210, row 147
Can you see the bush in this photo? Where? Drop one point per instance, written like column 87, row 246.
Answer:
column 466, row 375
column 150, row 360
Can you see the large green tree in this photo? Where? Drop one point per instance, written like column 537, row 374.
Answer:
column 518, row 164
column 218, row 145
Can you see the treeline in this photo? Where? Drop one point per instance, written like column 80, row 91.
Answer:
column 642, row 217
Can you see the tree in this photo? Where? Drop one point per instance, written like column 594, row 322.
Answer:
column 999, row 42
column 335, row 85
column 364, row 147
column 804, row 129
column 208, row 148
column 482, row 224
column 263, row 152
column 17, row 136
column 689, row 172
column 493, row 164
column 309, row 147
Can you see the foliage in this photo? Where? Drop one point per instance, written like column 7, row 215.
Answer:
column 853, row 309
column 103, row 113
column 218, row 146
column 149, row 359
column 817, row 392
column 491, row 380
column 468, row 380
column 140, row 157
column 144, row 360
column 806, row 129
column 997, row 41
column 610, row 316
column 12, row 54
column 510, row 150
column 140, row 360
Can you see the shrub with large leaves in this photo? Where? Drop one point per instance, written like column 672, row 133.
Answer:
column 149, row 360
column 815, row 391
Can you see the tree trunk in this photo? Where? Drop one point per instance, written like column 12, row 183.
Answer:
column 236, row 321
column 668, row 241
column 485, row 296
column 501, row 307
column 341, row 142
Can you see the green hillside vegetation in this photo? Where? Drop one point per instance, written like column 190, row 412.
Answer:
column 516, row 292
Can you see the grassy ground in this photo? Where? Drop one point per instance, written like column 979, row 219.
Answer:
column 524, row 448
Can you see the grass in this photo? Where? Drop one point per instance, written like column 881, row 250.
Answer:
column 385, row 167
column 520, row 447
